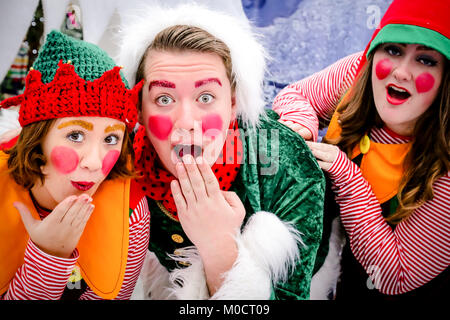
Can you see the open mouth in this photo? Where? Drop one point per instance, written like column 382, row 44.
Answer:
column 397, row 95
column 82, row 185
column 184, row 149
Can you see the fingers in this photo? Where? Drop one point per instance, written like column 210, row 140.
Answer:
column 61, row 209
column 232, row 199
column 195, row 178
column 28, row 221
column 185, row 183
column 83, row 217
column 301, row 130
column 77, row 210
column 211, row 184
column 178, row 197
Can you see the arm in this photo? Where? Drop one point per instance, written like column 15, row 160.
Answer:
column 397, row 260
column 41, row 277
column 317, row 95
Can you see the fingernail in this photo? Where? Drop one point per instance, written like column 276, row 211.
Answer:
column 199, row 160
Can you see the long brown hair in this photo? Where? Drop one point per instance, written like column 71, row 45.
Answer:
column 26, row 157
column 428, row 158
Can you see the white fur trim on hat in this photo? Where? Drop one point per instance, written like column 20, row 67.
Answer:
column 247, row 55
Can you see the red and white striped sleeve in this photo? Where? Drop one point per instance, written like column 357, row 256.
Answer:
column 138, row 245
column 318, row 95
column 41, row 277
column 398, row 260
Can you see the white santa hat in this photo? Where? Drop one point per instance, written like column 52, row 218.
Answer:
column 248, row 56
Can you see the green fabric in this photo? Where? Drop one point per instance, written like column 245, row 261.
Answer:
column 89, row 60
column 405, row 33
column 289, row 184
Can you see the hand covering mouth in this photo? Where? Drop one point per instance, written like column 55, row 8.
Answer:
column 184, row 149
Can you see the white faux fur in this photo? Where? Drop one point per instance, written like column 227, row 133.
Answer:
column 248, row 56
column 153, row 282
column 189, row 283
column 324, row 281
column 267, row 251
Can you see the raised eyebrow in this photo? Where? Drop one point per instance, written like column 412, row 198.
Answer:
column 84, row 124
column 161, row 83
column 202, row 82
column 115, row 127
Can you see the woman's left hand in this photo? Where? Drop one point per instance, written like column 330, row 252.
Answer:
column 325, row 153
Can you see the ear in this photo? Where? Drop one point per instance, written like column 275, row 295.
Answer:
column 233, row 107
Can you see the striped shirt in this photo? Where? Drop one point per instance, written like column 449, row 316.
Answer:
column 398, row 260
column 45, row 277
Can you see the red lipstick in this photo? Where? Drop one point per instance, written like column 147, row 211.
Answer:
column 82, row 185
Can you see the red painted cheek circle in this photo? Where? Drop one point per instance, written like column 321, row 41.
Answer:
column 160, row 126
column 109, row 161
column 424, row 82
column 64, row 159
column 383, row 68
column 211, row 125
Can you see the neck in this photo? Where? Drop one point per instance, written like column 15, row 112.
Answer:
column 42, row 197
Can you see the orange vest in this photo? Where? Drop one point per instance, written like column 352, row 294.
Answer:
column 381, row 164
column 103, row 247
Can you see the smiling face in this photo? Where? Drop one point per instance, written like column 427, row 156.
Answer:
column 80, row 153
column 405, row 81
column 187, row 105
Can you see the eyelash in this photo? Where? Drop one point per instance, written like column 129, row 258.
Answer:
column 423, row 59
column 71, row 135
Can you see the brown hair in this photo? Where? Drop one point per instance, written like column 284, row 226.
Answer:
column 26, row 157
column 429, row 157
column 182, row 37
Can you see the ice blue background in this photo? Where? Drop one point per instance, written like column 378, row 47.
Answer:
column 305, row 36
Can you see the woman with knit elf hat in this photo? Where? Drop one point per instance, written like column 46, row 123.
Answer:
column 234, row 208
column 387, row 151
column 70, row 227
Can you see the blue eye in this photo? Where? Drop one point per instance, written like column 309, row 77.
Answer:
column 76, row 136
column 164, row 100
column 112, row 139
column 206, row 98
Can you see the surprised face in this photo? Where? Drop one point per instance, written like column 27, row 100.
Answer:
column 405, row 82
column 80, row 153
column 187, row 105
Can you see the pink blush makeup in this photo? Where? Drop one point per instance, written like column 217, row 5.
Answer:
column 383, row 68
column 211, row 124
column 64, row 159
column 109, row 161
column 424, row 82
column 160, row 126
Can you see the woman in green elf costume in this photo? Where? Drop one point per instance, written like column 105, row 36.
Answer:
column 236, row 198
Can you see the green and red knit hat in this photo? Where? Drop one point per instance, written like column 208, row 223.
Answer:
column 415, row 22
column 73, row 78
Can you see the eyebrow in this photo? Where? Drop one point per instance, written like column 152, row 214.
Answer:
column 86, row 125
column 418, row 48
column 200, row 83
column 161, row 83
column 115, row 127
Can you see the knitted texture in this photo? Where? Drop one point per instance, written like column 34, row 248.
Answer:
column 88, row 84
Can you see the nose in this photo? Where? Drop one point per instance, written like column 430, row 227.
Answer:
column 184, row 117
column 91, row 158
column 402, row 71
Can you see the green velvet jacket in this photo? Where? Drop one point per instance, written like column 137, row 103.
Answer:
column 279, row 175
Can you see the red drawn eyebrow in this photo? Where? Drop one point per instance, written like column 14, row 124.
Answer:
column 161, row 83
column 200, row 83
